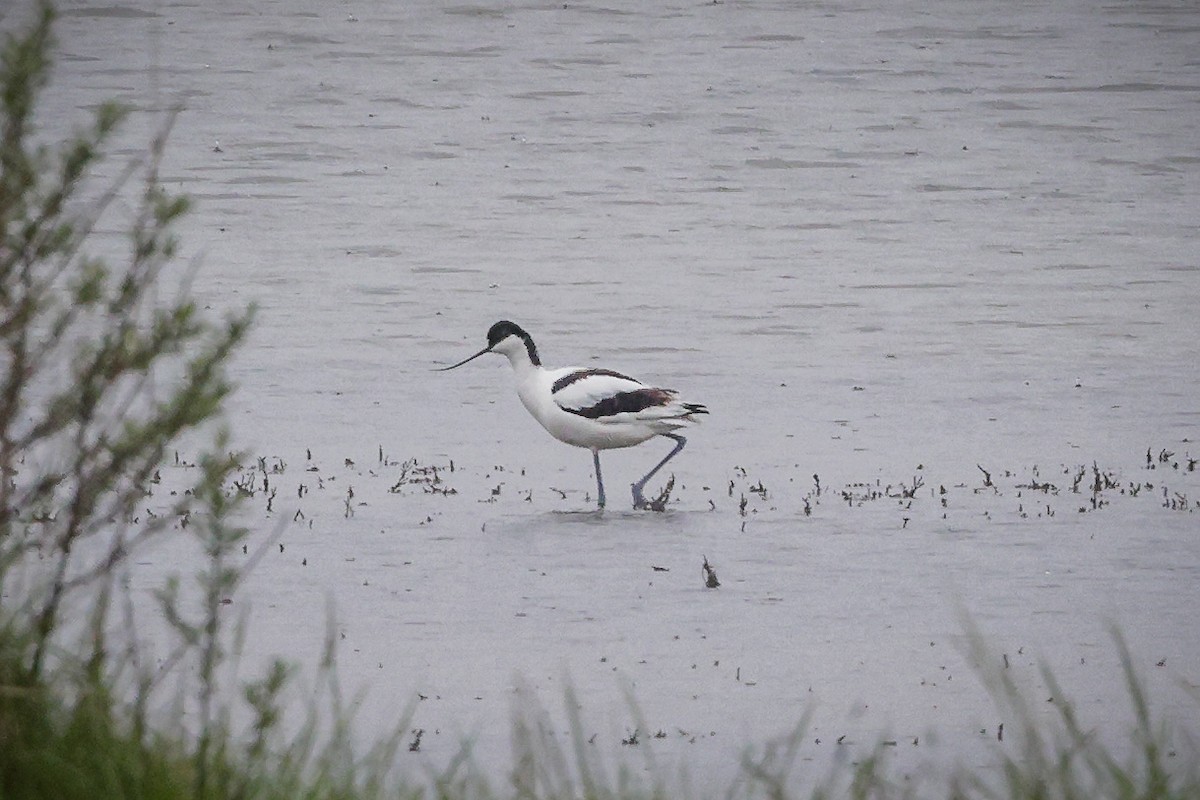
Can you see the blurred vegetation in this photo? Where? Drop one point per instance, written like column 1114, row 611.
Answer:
column 99, row 380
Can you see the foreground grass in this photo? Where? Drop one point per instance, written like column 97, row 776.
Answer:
column 67, row 737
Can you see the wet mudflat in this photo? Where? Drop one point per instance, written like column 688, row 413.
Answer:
column 932, row 267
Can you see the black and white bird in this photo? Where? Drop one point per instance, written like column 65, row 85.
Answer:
column 597, row 409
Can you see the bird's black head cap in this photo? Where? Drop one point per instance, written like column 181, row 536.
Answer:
column 503, row 329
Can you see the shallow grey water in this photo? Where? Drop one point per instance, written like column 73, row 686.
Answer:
column 878, row 240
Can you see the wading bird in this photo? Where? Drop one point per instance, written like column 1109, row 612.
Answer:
column 597, row 409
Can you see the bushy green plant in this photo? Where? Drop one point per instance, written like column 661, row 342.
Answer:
column 99, row 379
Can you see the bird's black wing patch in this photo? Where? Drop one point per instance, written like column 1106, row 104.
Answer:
column 625, row 402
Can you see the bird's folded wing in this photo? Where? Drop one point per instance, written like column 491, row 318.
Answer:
column 600, row 394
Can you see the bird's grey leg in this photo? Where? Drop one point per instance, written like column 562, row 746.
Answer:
column 639, row 500
column 599, row 480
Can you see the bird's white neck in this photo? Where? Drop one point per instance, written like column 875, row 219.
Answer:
column 521, row 363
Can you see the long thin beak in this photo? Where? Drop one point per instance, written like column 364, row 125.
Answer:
column 465, row 360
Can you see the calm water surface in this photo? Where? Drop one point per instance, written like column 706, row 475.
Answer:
column 881, row 241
